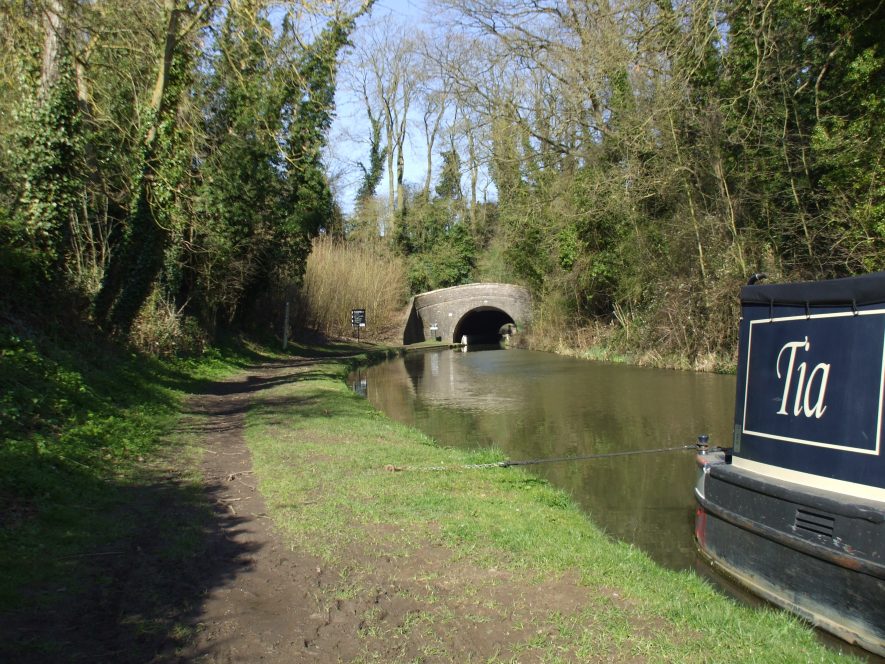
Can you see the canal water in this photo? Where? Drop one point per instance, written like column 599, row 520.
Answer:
column 533, row 404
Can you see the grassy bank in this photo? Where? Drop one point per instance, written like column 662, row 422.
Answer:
column 479, row 549
column 105, row 521
column 91, row 466
column 615, row 343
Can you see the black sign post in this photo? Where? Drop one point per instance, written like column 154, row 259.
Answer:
column 358, row 320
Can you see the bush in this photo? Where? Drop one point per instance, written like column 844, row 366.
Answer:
column 163, row 330
column 342, row 276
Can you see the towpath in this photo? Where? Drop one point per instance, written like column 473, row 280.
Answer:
column 271, row 602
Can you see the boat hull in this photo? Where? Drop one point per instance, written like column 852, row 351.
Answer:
column 808, row 551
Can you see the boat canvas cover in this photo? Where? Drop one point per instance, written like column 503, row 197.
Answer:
column 811, row 378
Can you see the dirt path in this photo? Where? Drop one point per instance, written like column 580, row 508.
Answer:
column 269, row 603
column 269, row 610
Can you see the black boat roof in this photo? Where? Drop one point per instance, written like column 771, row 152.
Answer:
column 862, row 290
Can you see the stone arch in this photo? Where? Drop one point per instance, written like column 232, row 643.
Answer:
column 482, row 325
column 438, row 313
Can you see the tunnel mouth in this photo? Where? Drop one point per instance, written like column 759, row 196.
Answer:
column 483, row 326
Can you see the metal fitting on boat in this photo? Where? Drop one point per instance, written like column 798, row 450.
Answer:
column 703, row 458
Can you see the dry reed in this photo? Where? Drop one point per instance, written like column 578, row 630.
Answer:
column 342, row 276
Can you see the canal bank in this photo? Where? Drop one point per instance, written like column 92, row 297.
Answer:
column 470, row 564
column 534, row 405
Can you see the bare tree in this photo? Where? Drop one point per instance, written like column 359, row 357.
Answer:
column 387, row 55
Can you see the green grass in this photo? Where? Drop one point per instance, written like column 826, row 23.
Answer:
column 320, row 453
column 88, row 438
column 84, row 427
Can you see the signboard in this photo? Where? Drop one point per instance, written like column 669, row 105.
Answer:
column 358, row 320
column 817, row 381
column 811, row 390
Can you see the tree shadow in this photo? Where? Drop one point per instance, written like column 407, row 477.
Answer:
column 116, row 568
column 131, row 596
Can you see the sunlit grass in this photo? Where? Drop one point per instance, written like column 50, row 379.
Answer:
column 324, row 459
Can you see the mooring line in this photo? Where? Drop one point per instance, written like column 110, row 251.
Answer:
column 533, row 462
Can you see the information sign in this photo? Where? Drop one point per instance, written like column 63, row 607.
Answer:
column 358, row 320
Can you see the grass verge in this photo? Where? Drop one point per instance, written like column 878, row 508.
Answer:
column 98, row 496
column 494, row 548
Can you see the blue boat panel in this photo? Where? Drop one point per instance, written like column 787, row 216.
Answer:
column 811, row 384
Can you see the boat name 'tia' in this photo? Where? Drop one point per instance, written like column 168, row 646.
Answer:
column 804, row 391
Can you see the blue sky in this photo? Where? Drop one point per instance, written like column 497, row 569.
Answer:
column 350, row 121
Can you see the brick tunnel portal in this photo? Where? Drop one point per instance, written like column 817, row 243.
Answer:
column 472, row 310
column 483, row 325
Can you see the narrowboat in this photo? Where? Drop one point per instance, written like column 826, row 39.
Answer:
column 794, row 508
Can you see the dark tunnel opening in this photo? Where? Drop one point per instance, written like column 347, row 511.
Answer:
column 483, row 326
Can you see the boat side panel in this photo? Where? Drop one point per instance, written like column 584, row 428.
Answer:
column 811, row 391
column 852, row 532
column 847, row 603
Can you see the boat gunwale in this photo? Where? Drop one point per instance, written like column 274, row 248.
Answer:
column 856, row 508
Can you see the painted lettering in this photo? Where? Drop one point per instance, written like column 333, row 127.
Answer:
column 792, row 346
column 819, row 406
column 804, row 394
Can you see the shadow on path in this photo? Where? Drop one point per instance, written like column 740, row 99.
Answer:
column 140, row 596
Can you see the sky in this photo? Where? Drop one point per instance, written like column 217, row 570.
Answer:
column 348, row 144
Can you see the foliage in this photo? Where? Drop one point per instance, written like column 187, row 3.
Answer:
column 47, row 155
column 375, row 171
column 242, row 180
column 439, row 248
column 184, row 175
column 642, row 161
column 342, row 276
column 434, row 235
column 647, row 160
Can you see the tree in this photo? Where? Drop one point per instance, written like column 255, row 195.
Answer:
column 138, row 259
column 46, row 150
column 372, row 173
column 166, row 158
column 389, row 58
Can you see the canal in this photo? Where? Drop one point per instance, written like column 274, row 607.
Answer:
column 533, row 405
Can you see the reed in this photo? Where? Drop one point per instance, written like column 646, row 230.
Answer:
column 342, row 276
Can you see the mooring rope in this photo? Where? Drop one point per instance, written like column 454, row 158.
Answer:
column 533, row 462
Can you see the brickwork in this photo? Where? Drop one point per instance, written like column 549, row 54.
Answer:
column 447, row 307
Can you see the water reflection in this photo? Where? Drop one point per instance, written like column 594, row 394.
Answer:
column 541, row 405
column 359, row 383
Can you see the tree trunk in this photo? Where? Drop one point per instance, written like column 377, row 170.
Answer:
column 400, row 171
column 136, row 263
column 391, row 176
column 474, row 173
column 52, row 27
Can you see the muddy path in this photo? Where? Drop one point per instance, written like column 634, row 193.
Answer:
column 271, row 610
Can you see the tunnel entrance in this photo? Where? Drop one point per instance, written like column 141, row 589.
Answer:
column 484, row 325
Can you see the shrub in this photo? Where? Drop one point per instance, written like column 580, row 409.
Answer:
column 342, row 276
